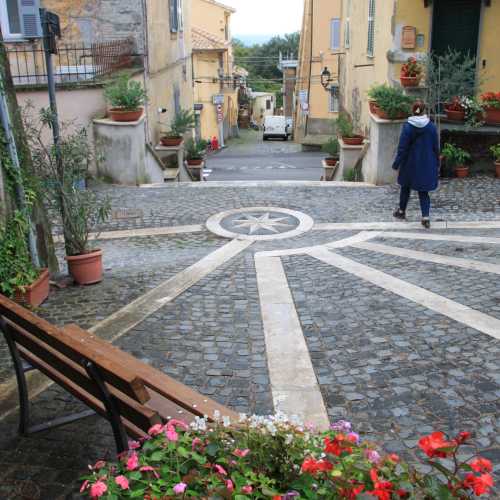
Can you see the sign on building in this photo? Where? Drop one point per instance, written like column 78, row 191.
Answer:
column 218, row 99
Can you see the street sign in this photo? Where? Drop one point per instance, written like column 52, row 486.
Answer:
column 218, row 99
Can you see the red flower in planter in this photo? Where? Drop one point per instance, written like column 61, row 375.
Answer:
column 455, row 105
column 314, row 466
column 481, row 464
column 381, row 489
column 479, row 484
column 435, row 445
column 339, row 444
column 411, row 69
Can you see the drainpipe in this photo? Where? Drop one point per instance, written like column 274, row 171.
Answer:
column 145, row 73
column 310, row 71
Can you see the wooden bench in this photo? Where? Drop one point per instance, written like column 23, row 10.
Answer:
column 130, row 394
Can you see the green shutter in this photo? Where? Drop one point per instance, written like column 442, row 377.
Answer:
column 30, row 18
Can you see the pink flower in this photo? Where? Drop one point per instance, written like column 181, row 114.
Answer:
column 196, row 442
column 148, row 468
column 85, row 485
column 373, row 456
column 122, row 482
column 180, row 488
column 133, row 461
column 98, row 489
column 133, row 445
column 220, row 469
column 155, row 430
column 178, row 423
column 99, row 465
column 353, row 437
column 171, row 434
column 229, row 485
column 247, row 489
column 241, row 453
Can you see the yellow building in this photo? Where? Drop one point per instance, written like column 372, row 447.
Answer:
column 214, row 79
column 320, row 47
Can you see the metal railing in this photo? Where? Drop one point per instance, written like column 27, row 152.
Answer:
column 72, row 63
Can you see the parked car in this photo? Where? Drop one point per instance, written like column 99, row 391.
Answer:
column 276, row 127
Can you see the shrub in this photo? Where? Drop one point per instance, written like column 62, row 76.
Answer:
column 195, row 149
column 495, row 151
column 280, row 459
column 344, row 125
column 411, row 69
column 125, row 93
column 455, row 155
column 391, row 100
column 331, row 147
column 182, row 122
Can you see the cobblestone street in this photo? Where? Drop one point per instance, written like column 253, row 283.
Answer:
column 401, row 326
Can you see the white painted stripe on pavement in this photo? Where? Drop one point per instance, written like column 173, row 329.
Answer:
column 366, row 226
column 475, row 265
column 454, row 310
column 442, row 237
column 294, row 385
column 137, row 233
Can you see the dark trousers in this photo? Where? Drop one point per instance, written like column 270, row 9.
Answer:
column 425, row 200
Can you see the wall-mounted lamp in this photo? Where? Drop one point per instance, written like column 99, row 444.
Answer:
column 326, row 78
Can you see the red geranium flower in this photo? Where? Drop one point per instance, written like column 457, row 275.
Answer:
column 314, row 466
column 381, row 489
column 480, row 464
column 339, row 444
column 435, row 445
column 479, row 484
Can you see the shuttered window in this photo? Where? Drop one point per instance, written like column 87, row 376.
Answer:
column 176, row 21
column 371, row 28
column 347, row 27
column 20, row 18
column 335, row 34
column 334, row 101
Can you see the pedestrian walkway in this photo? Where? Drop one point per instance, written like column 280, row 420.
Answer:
column 302, row 298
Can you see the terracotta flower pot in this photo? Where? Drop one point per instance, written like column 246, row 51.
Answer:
column 373, row 107
column 125, row 115
column 171, row 141
column 86, row 269
column 330, row 161
column 497, row 169
column 456, row 116
column 461, row 171
column 409, row 81
column 355, row 140
column 492, row 116
column 36, row 293
column 194, row 163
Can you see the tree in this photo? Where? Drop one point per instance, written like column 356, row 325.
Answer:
column 39, row 218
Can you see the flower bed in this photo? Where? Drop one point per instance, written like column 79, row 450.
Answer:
column 281, row 459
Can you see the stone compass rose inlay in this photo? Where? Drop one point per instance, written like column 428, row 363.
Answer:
column 260, row 223
column 265, row 222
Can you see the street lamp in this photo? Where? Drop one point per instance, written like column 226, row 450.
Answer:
column 326, row 78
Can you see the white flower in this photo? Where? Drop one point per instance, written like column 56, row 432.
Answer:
column 226, row 421
column 216, row 415
column 288, row 438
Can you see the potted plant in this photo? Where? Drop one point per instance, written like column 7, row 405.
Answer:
column 126, row 98
column 457, row 158
column 345, row 129
column 411, row 73
column 331, row 147
column 455, row 111
column 491, row 106
column 19, row 278
column 495, row 151
column 391, row 102
column 182, row 122
column 195, row 151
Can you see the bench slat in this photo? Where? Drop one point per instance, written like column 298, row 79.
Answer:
column 131, row 411
column 118, row 375
column 154, row 379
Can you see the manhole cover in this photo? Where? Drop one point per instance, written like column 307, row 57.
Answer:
column 260, row 223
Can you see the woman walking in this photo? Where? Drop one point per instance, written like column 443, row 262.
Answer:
column 418, row 162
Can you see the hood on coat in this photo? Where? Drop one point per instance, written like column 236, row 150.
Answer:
column 419, row 121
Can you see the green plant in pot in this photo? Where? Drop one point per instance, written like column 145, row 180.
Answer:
column 331, row 147
column 78, row 211
column 195, row 151
column 345, row 128
column 495, row 151
column 391, row 102
column 126, row 98
column 457, row 158
column 181, row 123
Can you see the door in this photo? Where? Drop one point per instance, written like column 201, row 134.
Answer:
column 456, row 26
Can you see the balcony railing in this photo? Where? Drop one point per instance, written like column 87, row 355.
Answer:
column 85, row 63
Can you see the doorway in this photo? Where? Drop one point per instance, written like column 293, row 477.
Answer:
column 456, row 25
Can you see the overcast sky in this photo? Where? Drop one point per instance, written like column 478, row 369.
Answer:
column 265, row 17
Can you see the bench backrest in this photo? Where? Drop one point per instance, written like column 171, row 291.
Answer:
column 64, row 358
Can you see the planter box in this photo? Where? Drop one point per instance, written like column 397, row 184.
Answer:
column 349, row 156
column 492, row 116
column 37, row 292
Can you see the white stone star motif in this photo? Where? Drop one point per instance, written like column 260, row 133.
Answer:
column 264, row 222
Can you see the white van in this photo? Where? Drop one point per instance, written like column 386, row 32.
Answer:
column 276, row 126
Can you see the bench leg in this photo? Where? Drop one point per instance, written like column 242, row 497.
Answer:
column 113, row 416
column 22, row 386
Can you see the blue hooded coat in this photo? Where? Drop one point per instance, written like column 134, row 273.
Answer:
column 418, row 155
